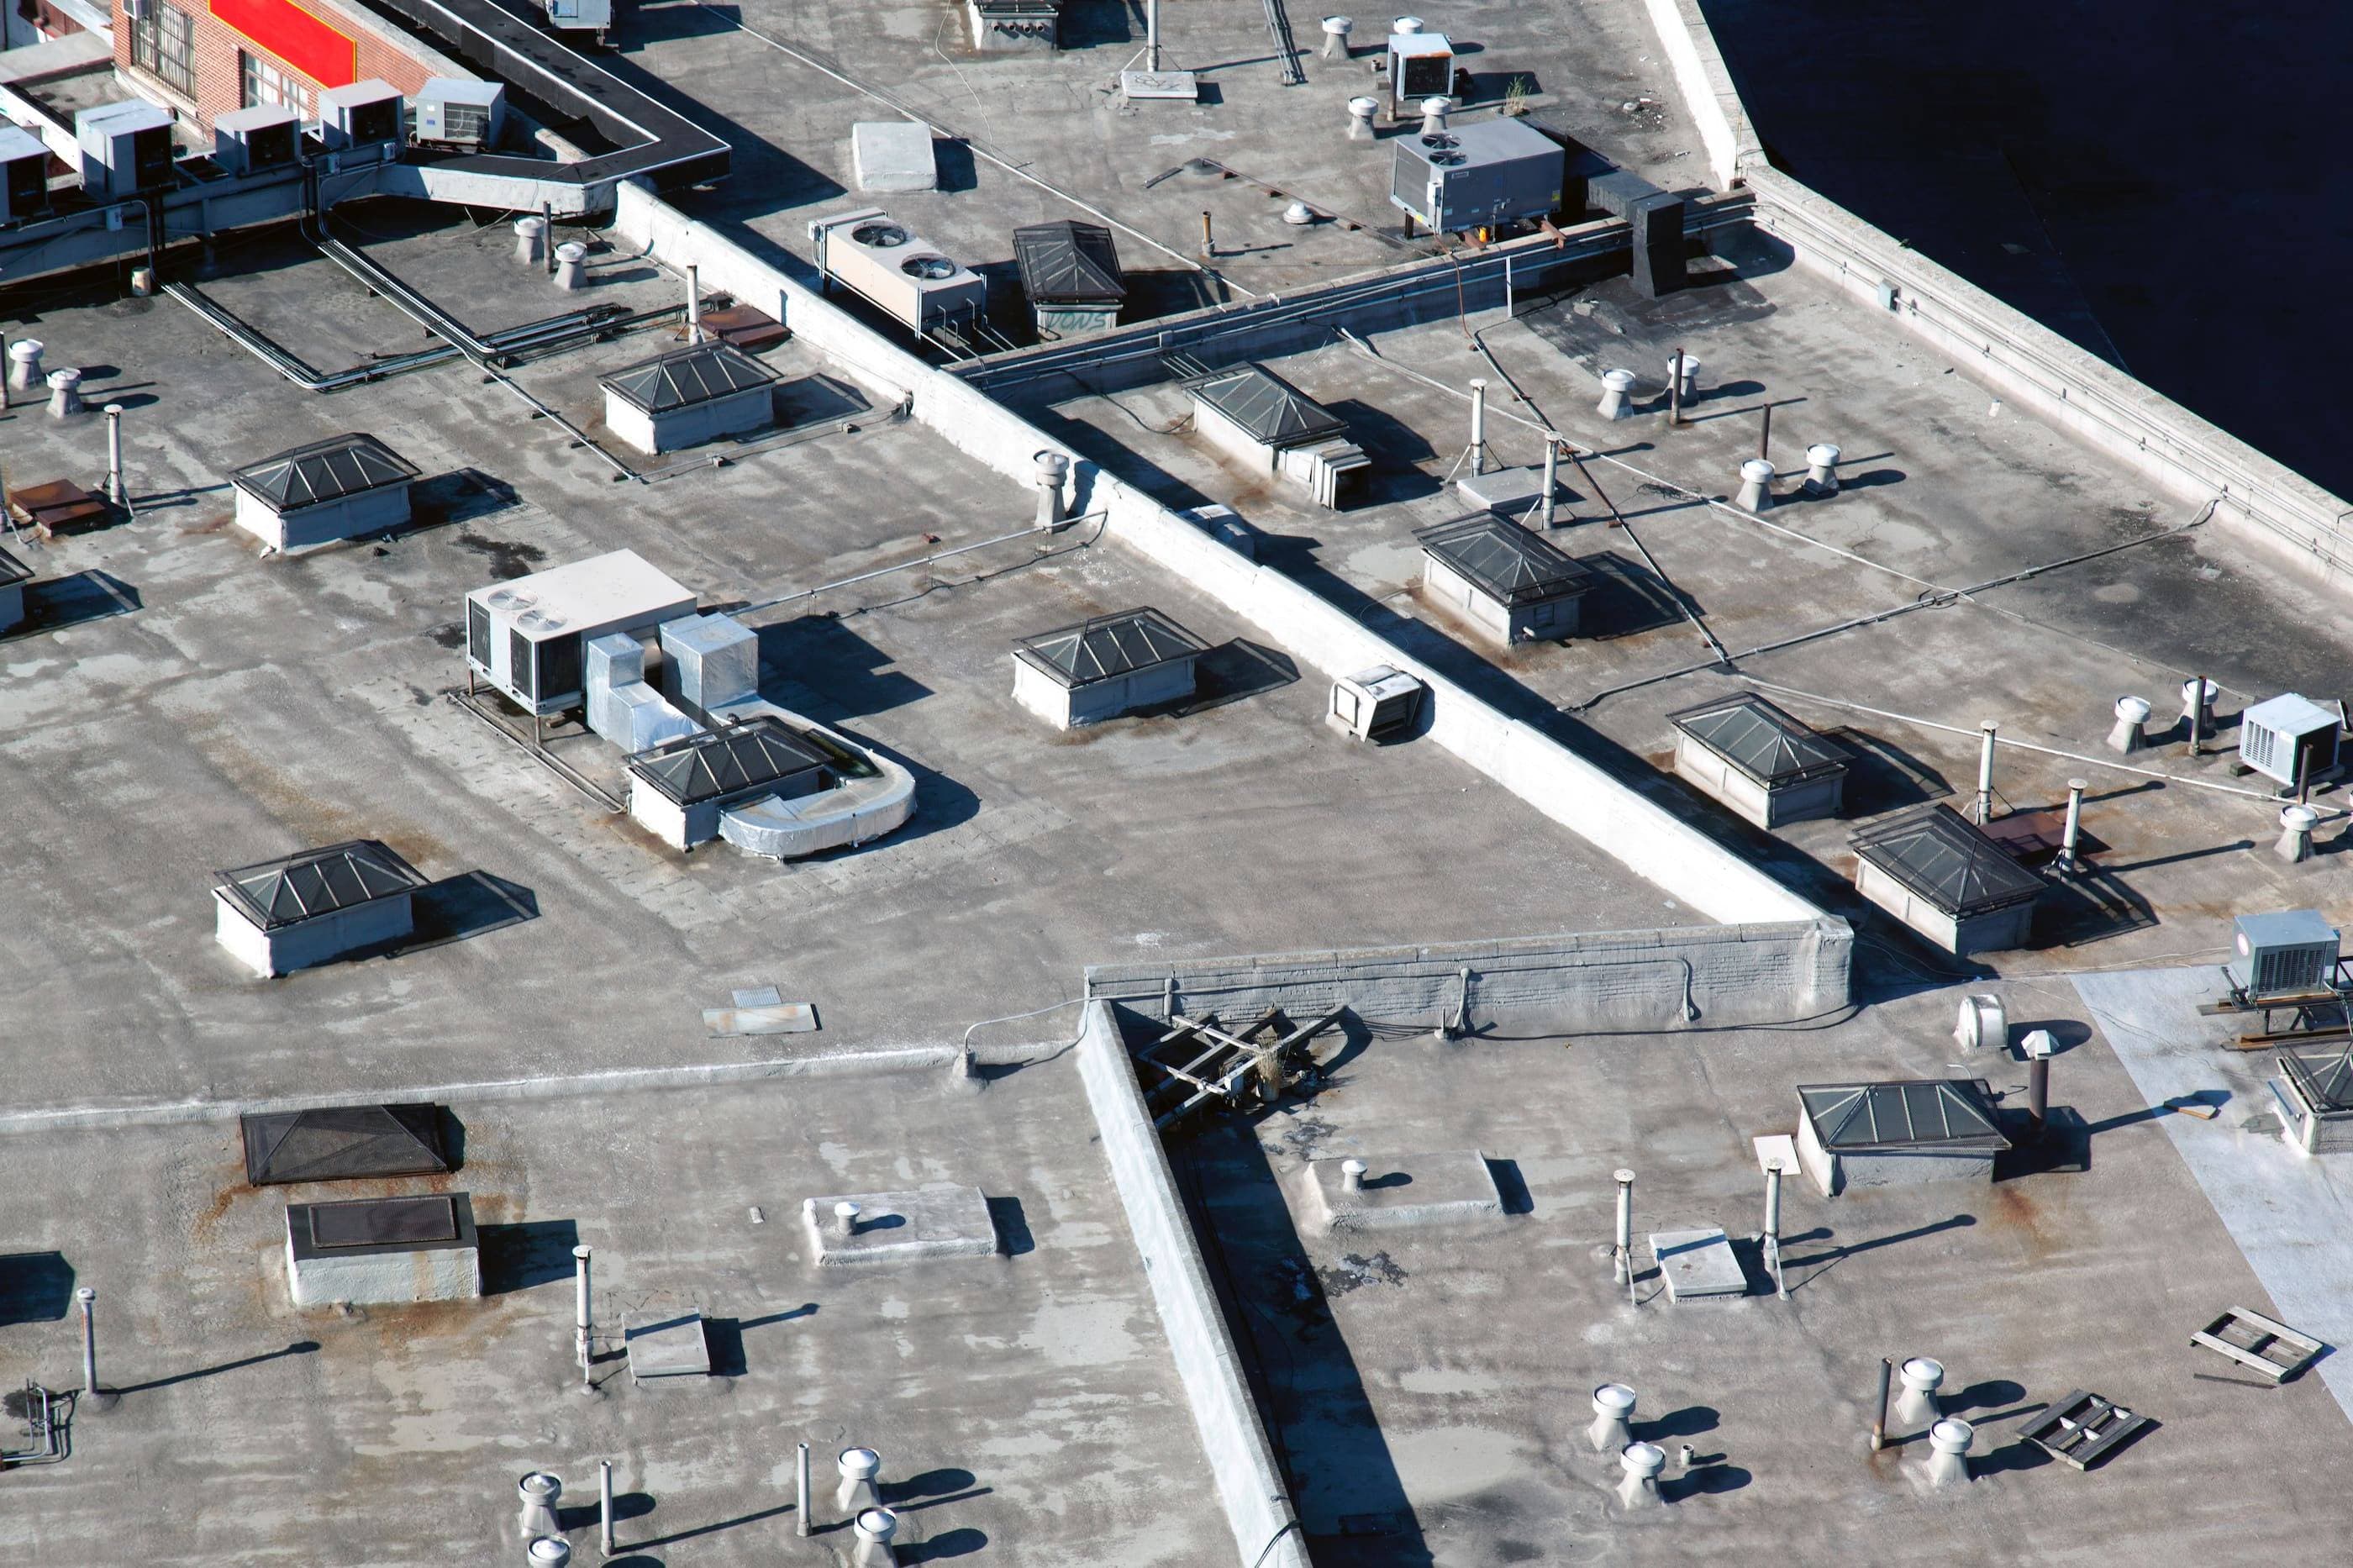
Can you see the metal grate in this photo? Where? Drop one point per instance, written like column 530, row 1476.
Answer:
column 385, row 1222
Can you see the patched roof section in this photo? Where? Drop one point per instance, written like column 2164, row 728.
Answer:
column 325, row 470
column 1109, row 647
column 702, row 374
column 318, row 883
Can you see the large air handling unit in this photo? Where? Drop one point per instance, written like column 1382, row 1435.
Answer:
column 1477, row 177
column 889, row 266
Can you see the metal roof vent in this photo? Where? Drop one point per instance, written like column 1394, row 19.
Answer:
column 875, row 1527
column 1613, row 1407
column 538, row 1491
column 859, row 1469
column 1984, row 1022
column 2132, row 716
column 1916, row 1406
column 1948, row 1451
column 549, row 1552
column 1641, row 1462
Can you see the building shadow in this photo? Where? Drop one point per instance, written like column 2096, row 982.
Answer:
column 1823, row 1261
column 54, row 603
column 1627, row 599
column 467, row 905
column 35, row 1288
column 461, row 495
column 300, row 1347
column 1012, row 1227
column 945, row 1547
column 1234, row 670
column 816, row 400
column 824, row 659
column 518, row 1256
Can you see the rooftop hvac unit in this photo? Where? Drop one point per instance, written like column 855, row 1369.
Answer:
column 1375, row 703
column 1422, row 65
column 906, row 275
column 2292, row 739
column 451, row 113
column 580, row 15
column 23, row 175
column 2292, row 953
column 364, row 114
column 255, row 141
column 1477, row 175
column 527, row 637
column 126, row 148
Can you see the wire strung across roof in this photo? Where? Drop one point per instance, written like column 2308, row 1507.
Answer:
column 1903, row 1113
column 686, row 377
column 1109, row 647
column 736, row 760
column 1505, row 561
column 1760, row 740
column 318, row 883
column 1948, row 862
column 322, row 471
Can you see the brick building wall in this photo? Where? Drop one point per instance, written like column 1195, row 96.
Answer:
column 308, row 32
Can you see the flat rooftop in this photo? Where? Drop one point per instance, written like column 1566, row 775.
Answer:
column 1597, row 71
column 248, row 708
column 1943, row 489
column 1023, row 1404
column 1428, row 1387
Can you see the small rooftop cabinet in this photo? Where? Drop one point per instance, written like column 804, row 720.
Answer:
column 687, row 397
column 383, row 1251
column 1377, row 704
column 2315, row 1091
column 2290, row 739
column 2289, row 955
column 1886, row 1134
column 525, row 637
column 678, row 790
column 1756, row 759
column 343, row 487
column 1001, row 25
column 1512, row 585
column 14, row 575
column 1104, row 668
column 1422, row 65
column 1947, row 880
column 1071, row 272
column 312, row 907
column 1254, row 415
column 1478, row 176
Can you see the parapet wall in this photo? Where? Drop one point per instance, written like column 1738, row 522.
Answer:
column 1658, row 845
column 1241, row 1460
column 1642, row 980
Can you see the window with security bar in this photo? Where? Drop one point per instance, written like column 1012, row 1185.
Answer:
column 260, row 83
column 164, row 43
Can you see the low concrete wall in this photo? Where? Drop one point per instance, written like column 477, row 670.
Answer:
column 1668, row 852
column 1613, row 980
column 1709, row 98
column 1242, row 1461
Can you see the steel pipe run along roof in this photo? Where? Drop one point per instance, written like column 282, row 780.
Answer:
column 1760, row 740
column 324, row 470
column 1267, row 406
column 318, row 883
column 1505, row 561
column 1904, row 1113
column 733, row 761
column 1067, row 263
column 686, row 377
column 1109, row 647
column 1948, row 862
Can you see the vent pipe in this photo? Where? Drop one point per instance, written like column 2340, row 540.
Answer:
column 25, row 365
column 2132, row 714
column 845, row 1223
column 1985, row 773
column 538, row 1491
column 2197, row 695
column 2038, row 1045
column 1756, row 485
column 548, row 1551
column 2069, row 863
column 568, row 256
column 1613, row 1407
column 1478, row 424
column 801, row 1492
column 1433, row 115
column 2296, row 822
column 1617, row 387
column 605, row 1506
column 116, row 491
column 1335, row 37
column 1773, row 1229
column 1915, row 1407
column 1299, row 215
column 1405, row 24
column 1821, row 468
column 583, row 1324
column 1352, row 1176
column 1053, row 468
column 1639, row 1486
column 531, row 240
column 1948, row 1451
column 1209, row 237
column 86, row 1300
column 1360, row 117
column 1879, row 1409
column 857, row 1491
column 1621, row 1253
column 547, row 232
column 693, row 303
column 65, row 393
column 1551, row 477
column 1152, row 35
column 875, row 1527
column 1683, row 379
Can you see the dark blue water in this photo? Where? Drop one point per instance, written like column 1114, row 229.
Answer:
column 2171, row 187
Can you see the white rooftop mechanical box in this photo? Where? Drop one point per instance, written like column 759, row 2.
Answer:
column 2290, row 739
column 23, row 175
column 905, row 276
column 525, row 637
column 452, row 111
column 126, row 148
column 364, row 114
column 254, row 141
